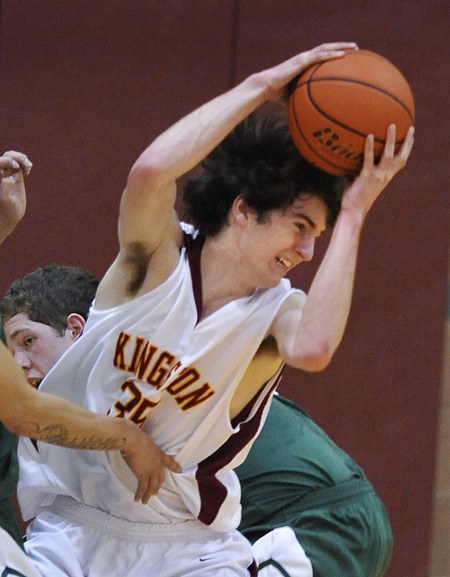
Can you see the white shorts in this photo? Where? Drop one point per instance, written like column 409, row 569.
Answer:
column 279, row 554
column 13, row 561
column 73, row 540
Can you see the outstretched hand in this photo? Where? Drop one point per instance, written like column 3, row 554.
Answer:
column 13, row 166
column 148, row 463
column 374, row 177
column 278, row 77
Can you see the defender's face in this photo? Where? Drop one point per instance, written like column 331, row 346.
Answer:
column 35, row 346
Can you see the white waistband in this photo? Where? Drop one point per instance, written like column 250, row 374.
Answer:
column 74, row 511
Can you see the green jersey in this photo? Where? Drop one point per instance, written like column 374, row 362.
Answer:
column 8, row 483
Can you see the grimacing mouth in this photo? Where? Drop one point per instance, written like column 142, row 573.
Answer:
column 284, row 262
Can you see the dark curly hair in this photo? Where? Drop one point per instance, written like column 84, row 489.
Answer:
column 50, row 294
column 259, row 161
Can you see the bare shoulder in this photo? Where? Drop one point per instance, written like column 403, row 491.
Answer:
column 137, row 270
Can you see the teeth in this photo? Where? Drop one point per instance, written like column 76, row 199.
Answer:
column 286, row 263
column 35, row 383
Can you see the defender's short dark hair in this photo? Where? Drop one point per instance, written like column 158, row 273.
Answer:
column 49, row 294
column 259, row 161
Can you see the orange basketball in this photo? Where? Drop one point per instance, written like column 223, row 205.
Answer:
column 335, row 104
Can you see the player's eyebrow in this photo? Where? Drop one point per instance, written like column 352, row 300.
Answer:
column 312, row 224
column 17, row 332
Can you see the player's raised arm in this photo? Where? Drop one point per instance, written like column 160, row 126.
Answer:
column 147, row 203
column 309, row 339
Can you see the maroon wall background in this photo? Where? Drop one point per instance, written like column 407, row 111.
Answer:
column 86, row 85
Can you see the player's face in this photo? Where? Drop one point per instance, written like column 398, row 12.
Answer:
column 285, row 239
column 35, row 346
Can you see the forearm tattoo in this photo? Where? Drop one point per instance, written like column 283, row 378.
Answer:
column 57, row 434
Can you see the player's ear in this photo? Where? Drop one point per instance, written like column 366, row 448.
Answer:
column 240, row 211
column 75, row 325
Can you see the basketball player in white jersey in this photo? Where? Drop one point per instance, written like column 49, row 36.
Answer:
column 296, row 481
column 180, row 317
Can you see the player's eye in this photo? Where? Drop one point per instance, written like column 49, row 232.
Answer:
column 28, row 342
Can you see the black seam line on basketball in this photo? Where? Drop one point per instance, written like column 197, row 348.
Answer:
column 315, row 152
column 310, row 80
column 353, row 81
column 341, row 124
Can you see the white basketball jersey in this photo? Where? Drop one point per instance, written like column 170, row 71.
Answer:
column 150, row 361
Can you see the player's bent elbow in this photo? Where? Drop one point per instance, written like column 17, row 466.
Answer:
column 317, row 363
column 143, row 176
column 312, row 361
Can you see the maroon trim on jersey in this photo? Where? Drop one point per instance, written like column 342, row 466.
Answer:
column 212, row 492
column 253, row 569
column 194, row 248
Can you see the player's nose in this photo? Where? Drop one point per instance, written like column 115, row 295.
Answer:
column 22, row 359
column 305, row 247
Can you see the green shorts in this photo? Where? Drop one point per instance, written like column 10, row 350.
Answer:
column 344, row 530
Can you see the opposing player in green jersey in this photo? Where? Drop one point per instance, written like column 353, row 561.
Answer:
column 296, row 477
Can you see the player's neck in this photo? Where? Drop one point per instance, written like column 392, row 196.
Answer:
column 222, row 277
